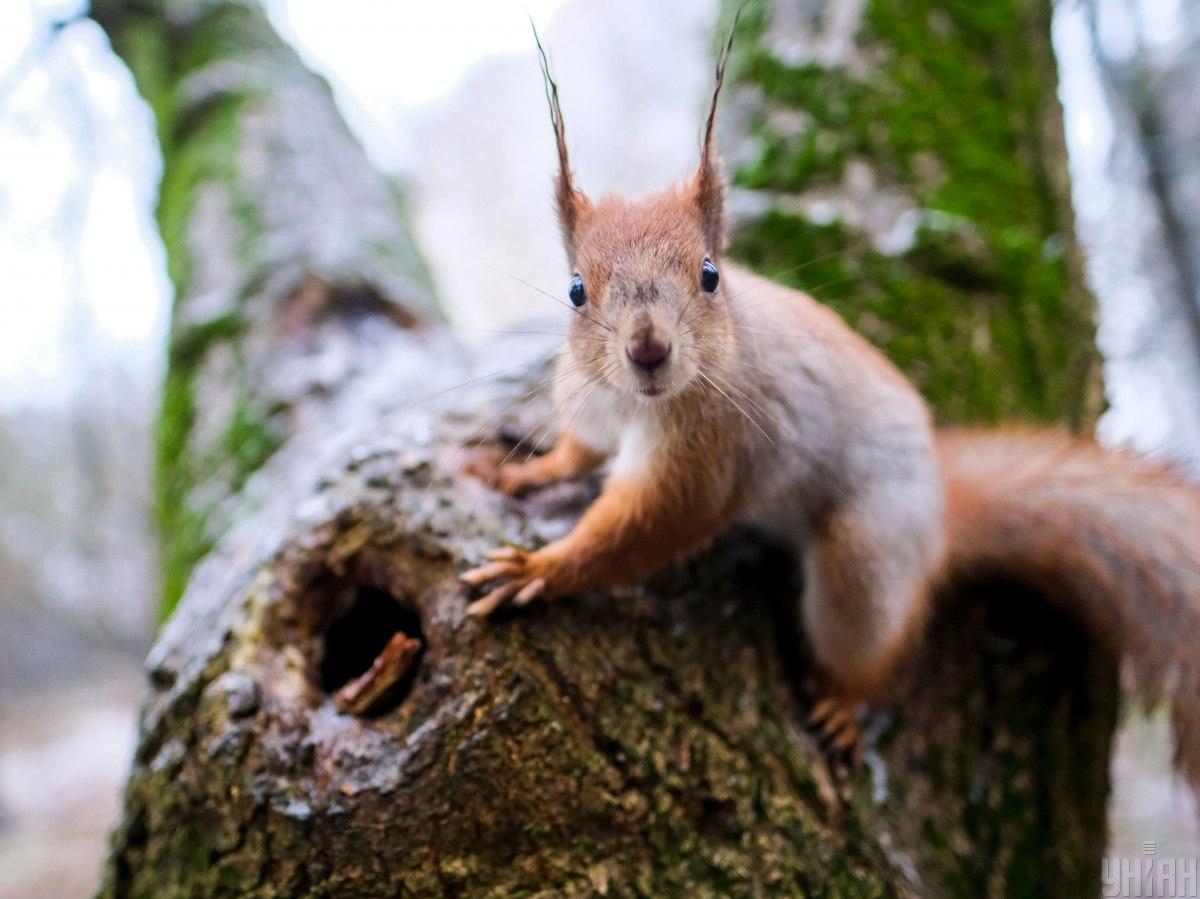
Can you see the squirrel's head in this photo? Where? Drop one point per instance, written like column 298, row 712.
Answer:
column 651, row 314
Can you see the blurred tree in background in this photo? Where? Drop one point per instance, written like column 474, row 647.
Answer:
column 905, row 163
column 264, row 191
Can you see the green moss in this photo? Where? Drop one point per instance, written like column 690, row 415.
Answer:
column 203, row 152
column 174, row 478
column 200, row 143
column 188, row 345
column 252, row 437
column 981, row 310
column 148, row 54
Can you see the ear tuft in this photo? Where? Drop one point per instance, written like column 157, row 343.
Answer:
column 571, row 202
column 708, row 184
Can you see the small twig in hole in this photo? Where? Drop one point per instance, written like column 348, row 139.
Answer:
column 371, row 687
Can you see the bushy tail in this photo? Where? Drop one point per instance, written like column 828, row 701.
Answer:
column 1117, row 537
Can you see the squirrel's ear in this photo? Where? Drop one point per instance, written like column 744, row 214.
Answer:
column 571, row 202
column 708, row 194
column 572, row 205
column 708, row 184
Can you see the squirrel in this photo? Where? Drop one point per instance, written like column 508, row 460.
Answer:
column 715, row 396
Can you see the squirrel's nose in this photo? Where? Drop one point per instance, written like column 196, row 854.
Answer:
column 648, row 354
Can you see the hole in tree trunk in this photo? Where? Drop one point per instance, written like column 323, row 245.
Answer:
column 364, row 639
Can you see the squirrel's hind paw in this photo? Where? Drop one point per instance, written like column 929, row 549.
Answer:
column 834, row 723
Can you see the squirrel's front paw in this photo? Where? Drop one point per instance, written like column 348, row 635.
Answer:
column 519, row 576
column 513, row 478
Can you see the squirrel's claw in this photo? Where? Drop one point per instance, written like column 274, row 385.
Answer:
column 518, row 581
column 834, row 722
column 477, row 577
column 481, row 608
column 530, row 591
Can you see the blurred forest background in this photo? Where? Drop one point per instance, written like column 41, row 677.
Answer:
column 433, row 91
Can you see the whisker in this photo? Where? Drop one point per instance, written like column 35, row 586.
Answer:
column 823, row 467
column 795, row 268
column 533, row 286
column 528, row 434
column 754, row 404
column 691, row 323
column 609, row 323
column 478, row 380
column 575, row 393
column 598, row 381
column 855, row 426
column 533, row 444
column 812, row 292
column 545, row 333
column 736, row 406
column 684, row 310
column 508, row 456
column 576, row 310
column 550, row 380
column 814, row 338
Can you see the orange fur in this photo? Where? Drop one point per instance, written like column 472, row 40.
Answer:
column 633, row 528
column 1114, row 538
column 774, row 410
column 569, row 459
column 640, row 523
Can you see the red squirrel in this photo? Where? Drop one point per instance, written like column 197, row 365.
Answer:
column 715, row 396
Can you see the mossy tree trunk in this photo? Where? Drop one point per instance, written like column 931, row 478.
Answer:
column 273, row 221
column 647, row 741
column 904, row 161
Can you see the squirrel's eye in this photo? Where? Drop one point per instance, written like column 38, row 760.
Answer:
column 709, row 276
column 576, row 292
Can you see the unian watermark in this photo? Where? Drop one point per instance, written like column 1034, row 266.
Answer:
column 1151, row 875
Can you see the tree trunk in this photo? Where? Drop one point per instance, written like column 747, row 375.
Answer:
column 904, row 162
column 276, row 229
column 645, row 741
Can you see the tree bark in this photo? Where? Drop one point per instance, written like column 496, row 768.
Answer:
column 645, row 741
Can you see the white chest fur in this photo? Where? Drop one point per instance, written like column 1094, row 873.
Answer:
column 639, row 440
